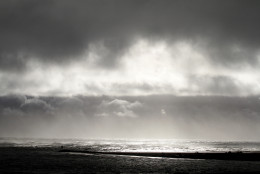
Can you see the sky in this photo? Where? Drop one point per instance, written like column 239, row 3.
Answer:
column 127, row 60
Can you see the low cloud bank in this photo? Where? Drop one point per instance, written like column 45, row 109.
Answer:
column 161, row 116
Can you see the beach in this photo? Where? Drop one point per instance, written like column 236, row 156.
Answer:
column 50, row 160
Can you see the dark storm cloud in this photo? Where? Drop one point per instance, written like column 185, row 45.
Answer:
column 218, row 85
column 35, row 105
column 61, row 30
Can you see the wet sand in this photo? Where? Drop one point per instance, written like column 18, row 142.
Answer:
column 50, row 160
column 240, row 156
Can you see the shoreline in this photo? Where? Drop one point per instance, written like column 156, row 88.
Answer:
column 239, row 156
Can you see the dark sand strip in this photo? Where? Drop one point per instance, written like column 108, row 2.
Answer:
column 240, row 156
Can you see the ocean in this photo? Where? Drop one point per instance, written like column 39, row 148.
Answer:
column 43, row 156
column 136, row 145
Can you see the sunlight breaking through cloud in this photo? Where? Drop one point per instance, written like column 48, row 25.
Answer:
column 179, row 68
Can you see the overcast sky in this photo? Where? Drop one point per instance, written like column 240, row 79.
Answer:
column 130, row 68
column 137, row 47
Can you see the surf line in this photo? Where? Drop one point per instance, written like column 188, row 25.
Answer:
column 240, row 156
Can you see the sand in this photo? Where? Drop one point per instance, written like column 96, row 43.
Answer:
column 50, row 160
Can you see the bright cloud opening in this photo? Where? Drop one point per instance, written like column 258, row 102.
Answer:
column 179, row 68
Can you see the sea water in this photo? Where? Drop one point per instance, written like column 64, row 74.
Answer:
column 136, row 145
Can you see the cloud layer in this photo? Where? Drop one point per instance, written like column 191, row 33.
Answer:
column 147, row 68
column 215, row 118
column 45, row 43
